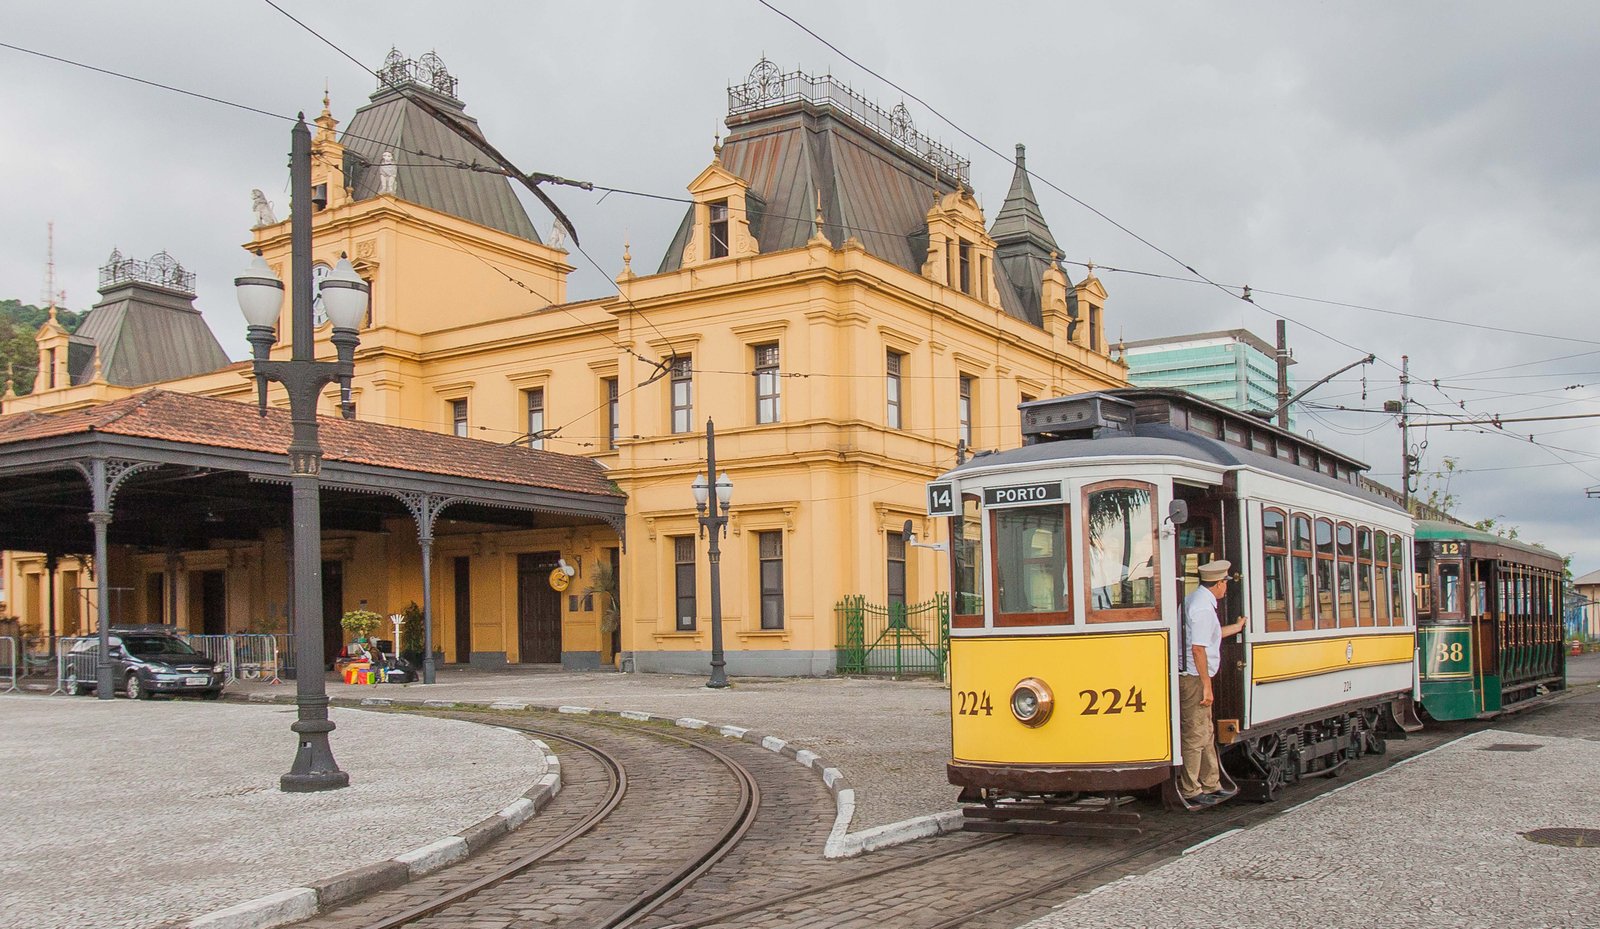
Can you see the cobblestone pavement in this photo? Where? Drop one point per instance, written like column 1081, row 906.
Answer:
column 890, row 738
column 126, row 813
column 1437, row 842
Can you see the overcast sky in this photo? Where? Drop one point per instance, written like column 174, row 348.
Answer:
column 1434, row 159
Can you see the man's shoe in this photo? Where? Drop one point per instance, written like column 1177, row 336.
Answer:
column 1217, row 796
column 1201, row 800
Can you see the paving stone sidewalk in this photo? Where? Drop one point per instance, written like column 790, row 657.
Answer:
column 1436, row 841
column 131, row 814
column 890, row 738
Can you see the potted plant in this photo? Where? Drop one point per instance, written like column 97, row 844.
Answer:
column 605, row 587
column 410, row 643
column 360, row 624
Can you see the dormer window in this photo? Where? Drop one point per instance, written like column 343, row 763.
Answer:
column 719, row 229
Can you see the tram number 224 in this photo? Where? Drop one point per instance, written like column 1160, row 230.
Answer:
column 975, row 703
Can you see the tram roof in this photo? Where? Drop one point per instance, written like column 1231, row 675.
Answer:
column 1429, row 530
column 1165, row 425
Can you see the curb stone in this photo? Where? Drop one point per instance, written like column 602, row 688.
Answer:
column 299, row 903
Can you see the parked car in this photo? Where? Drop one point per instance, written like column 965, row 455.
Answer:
column 144, row 663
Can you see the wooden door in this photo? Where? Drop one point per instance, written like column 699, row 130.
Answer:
column 463, row 589
column 332, row 611
column 538, row 609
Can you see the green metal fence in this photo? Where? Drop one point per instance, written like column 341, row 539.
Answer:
column 900, row 639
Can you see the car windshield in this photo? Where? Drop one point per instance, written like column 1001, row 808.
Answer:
column 144, row 645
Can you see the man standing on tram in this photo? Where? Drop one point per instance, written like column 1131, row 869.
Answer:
column 1201, row 781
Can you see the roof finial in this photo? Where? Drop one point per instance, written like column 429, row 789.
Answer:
column 819, row 237
column 627, row 256
column 1089, row 267
column 325, row 97
column 1022, row 156
column 716, row 144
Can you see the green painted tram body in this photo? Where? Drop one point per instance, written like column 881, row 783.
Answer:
column 1489, row 632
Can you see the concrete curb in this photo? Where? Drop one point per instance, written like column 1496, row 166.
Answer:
column 841, row 843
column 300, row 903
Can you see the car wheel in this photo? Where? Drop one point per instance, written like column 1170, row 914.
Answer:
column 72, row 687
column 136, row 689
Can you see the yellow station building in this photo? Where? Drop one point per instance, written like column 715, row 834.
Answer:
column 834, row 299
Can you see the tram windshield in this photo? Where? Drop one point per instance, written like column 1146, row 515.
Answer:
column 1031, row 562
column 969, row 574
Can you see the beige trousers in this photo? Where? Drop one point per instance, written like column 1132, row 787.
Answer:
column 1200, row 772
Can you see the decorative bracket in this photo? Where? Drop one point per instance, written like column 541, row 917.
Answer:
column 425, row 509
column 106, row 477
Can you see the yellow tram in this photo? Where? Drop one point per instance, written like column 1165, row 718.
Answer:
column 1070, row 560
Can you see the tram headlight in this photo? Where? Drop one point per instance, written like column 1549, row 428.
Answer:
column 1031, row 701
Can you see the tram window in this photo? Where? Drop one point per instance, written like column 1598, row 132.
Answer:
column 1364, row 573
column 967, row 534
column 1303, row 614
column 1327, row 614
column 1232, row 434
column 1347, row 575
column 1121, row 530
column 1205, row 425
column 1260, row 443
column 1449, row 588
column 1275, row 573
column 1285, row 450
column 1397, row 573
column 1380, row 580
column 1031, row 565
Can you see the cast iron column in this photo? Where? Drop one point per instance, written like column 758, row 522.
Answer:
column 714, row 523
column 303, row 378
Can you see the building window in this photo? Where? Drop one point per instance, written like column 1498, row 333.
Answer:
column 50, row 373
column 897, row 576
column 1094, row 329
column 683, row 581
column 535, row 417
column 611, row 412
column 458, row 417
column 682, row 394
column 719, row 229
column 966, row 266
column 767, row 408
column 892, row 366
column 770, row 548
column 964, row 406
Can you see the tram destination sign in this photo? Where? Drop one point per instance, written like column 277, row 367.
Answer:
column 1017, row 494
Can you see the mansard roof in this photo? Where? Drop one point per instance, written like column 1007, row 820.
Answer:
column 391, row 122
column 793, row 136
column 146, row 326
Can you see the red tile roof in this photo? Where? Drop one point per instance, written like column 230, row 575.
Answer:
column 176, row 417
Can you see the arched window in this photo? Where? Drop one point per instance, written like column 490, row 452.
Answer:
column 1380, row 582
column 1303, row 614
column 1327, row 608
column 1346, row 538
column 1275, row 568
column 1364, row 573
column 1123, row 559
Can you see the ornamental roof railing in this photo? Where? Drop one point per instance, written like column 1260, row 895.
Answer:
column 162, row 270
column 768, row 85
column 428, row 71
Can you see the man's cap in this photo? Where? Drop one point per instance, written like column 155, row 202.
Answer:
column 1214, row 571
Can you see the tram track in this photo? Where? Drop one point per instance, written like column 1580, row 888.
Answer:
column 519, row 878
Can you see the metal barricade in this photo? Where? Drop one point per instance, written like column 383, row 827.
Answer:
column 85, row 664
column 255, row 657
column 285, row 645
column 218, row 648
column 13, row 655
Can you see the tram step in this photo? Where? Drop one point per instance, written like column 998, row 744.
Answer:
column 1049, row 814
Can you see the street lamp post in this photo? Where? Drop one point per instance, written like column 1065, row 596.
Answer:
column 716, row 522
column 344, row 297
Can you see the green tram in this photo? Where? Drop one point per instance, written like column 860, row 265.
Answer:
column 1489, row 633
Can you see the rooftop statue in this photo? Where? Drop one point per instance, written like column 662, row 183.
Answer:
column 264, row 214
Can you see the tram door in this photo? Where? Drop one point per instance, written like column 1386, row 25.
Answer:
column 1205, row 537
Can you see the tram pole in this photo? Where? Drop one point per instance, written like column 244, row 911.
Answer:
column 1405, row 432
column 1283, row 374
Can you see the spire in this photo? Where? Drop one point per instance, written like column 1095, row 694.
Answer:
column 1020, row 219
